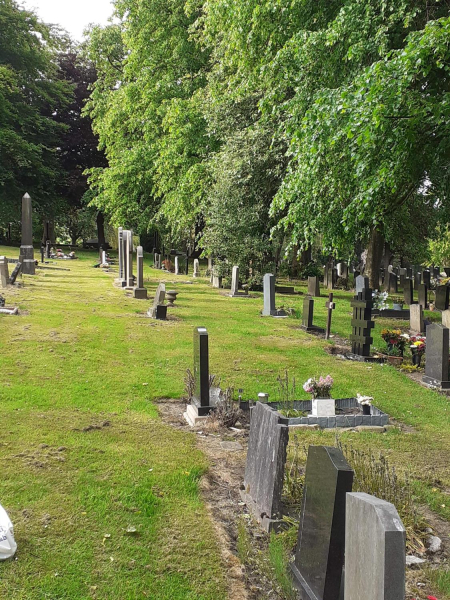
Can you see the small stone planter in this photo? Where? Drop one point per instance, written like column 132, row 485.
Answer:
column 171, row 296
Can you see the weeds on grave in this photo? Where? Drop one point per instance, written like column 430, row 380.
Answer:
column 227, row 412
column 374, row 475
column 189, row 383
column 294, row 478
column 287, row 394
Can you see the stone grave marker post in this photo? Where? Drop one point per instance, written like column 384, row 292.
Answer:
column 330, row 306
column 4, row 271
column 264, row 471
column 140, row 292
column 319, row 558
column 235, row 281
column 269, row 295
column 130, row 276
column 436, row 366
column 47, row 248
column 423, row 296
column 26, row 256
column 416, row 318
column 375, row 557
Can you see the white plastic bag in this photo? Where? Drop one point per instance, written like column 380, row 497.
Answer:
column 8, row 544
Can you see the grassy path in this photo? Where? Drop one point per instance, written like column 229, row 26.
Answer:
column 85, row 354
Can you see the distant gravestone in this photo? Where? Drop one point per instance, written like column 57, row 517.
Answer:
column 266, row 460
column 15, row 273
column 416, row 318
column 269, row 295
column 47, row 248
column 408, row 292
column 332, row 278
column 120, row 252
column 196, row 268
column 217, row 281
column 319, row 558
column 26, row 256
column 442, row 297
column 177, row 266
column 159, row 310
column 393, row 284
column 436, row 366
column 308, row 316
column 362, row 324
column 375, row 542
column 446, row 318
column 203, row 400
column 314, row 287
column 417, row 280
column 426, row 278
column 361, row 283
column 235, row 284
column 140, row 292
column 423, row 296
column 4, row 271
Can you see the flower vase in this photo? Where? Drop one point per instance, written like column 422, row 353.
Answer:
column 416, row 359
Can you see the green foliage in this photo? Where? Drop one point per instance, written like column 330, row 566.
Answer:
column 439, row 247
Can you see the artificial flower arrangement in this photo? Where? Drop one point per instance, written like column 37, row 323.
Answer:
column 379, row 300
column 395, row 341
column 365, row 402
column 418, row 344
column 319, row 388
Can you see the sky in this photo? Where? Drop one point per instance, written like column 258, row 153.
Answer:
column 72, row 15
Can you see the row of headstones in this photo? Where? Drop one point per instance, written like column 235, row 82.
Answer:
column 342, row 535
column 158, row 264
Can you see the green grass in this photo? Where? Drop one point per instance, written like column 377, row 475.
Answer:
column 83, row 352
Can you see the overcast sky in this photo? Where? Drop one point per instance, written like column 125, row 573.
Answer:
column 72, row 15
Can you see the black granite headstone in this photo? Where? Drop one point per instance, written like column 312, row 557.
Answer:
column 408, row 292
column 308, row 316
column 393, row 283
column 442, row 297
column 426, row 278
column 319, row 558
column 417, row 280
column 264, row 471
column 201, row 371
column 436, row 366
column 423, row 295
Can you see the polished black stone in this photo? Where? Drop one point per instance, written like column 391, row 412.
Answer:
column 408, row 292
column 423, row 295
column 266, row 460
column 15, row 273
column 436, row 366
column 319, row 558
column 442, row 297
column 426, row 278
column 201, row 367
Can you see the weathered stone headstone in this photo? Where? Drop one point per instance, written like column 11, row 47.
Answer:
column 308, row 316
column 235, row 281
column 159, row 310
column 266, row 460
column 196, row 268
column 342, row 270
column 140, row 292
column 4, row 271
column 393, row 283
column 423, row 296
column 416, row 318
column 408, row 292
column 269, row 309
column 436, row 366
column 375, row 542
column 362, row 323
column 417, row 280
column 177, row 266
column 313, row 287
column 361, row 283
column 15, row 273
column 120, row 253
column 332, row 278
column 204, row 398
column 442, row 297
column 319, row 559
column 26, row 256
column 216, row 281
column 446, row 318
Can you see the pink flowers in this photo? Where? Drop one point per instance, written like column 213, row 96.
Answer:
column 319, row 388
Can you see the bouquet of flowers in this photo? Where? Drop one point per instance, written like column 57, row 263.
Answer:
column 364, row 400
column 319, row 388
column 418, row 345
column 395, row 341
column 379, row 300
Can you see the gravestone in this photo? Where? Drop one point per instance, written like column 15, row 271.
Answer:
column 308, row 316
column 177, row 266
column 393, row 284
column 375, row 557
column 362, row 324
column 120, row 252
column 4, row 271
column 235, row 284
column 330, row 306
column 426, row 278
column 47, row 248
column 446, row 318
column 217, row 281
column 417, row 280
column 319, row 558
column 442, row 297
column 342, row 270
column 361, row 283
column 264, row 471
column 42, row 253
column 408, row 292
column 436, row 272
column 269, row 309
column 423, row 296
column 314, row 287
column 204, row 399
column 196, row 268
column 436, row 366
column 15, row 273
column 332, row 278
column 416, row 318
column 140, row 292
column 26, row 256
column 159, row 310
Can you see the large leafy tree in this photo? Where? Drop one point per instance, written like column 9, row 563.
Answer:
column 31, row 95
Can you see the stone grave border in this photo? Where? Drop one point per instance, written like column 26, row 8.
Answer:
column 377, row 417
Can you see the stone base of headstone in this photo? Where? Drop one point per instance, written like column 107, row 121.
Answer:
column 287, row 290
column 443, row 385
column 140, row 293
column 196, row 414
column 312, row 329
column 278, row 313
column 26, row 257
column 158, row 312
column 265, row 522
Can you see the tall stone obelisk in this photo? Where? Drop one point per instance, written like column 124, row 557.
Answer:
column 26, row 256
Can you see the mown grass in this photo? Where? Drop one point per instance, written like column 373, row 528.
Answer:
column 84, row 352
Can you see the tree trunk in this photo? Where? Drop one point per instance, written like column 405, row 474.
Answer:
column 101, row 229
column 374, row 256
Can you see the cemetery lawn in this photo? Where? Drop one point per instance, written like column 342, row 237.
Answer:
column 104, row 496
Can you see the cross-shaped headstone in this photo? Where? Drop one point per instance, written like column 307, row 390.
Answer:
column 330, row 305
